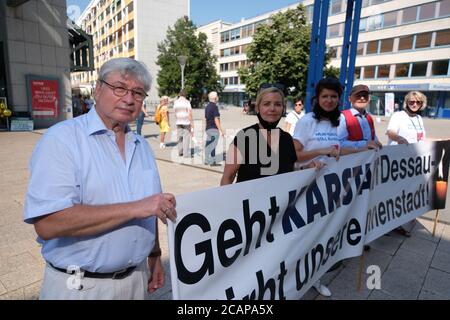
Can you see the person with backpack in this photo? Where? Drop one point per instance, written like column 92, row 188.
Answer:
column 162, row 119
column 356, row 129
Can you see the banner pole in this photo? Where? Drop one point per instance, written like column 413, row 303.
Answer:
column 360, row 271
column 435, row 221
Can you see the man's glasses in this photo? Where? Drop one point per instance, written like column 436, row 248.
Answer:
column 299, row 104
column 412, row 102
column 121, row 92
column 272, row 85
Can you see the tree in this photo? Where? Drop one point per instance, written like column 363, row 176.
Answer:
column 200, row 72
column 279, row 53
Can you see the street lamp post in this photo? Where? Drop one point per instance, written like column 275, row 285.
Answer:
column 182, row 62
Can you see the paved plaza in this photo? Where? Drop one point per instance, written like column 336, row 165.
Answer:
column 412, row 268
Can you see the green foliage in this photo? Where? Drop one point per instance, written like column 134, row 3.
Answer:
column 200, row 75
column 280, row 53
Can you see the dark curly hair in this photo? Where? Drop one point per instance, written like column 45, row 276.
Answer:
column 330, row 83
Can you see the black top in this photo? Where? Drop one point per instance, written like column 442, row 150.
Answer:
column 211, row 112
column 258, row 164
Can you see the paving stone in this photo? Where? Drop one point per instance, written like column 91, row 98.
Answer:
column 441, row 261
column 13, row 295
column 438, row 282
column 405, row 275
column 424, row 229
column 344, row 286
column 420, row 246
column 387, row 244
column 401, row 285
column 381, row 295
column 372, row 257
column 21, row 277
column 409, row 262
column 14, row 263
column 2, row 289
column 32, row 291
column 427, row 295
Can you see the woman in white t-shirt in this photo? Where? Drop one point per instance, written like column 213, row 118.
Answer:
column 294, row 116
column 406, row 127
column 315, row 135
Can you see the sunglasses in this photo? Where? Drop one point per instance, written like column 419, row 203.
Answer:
column 299, row 104
column 411, row 103
column 272, row 85
column 364, row 95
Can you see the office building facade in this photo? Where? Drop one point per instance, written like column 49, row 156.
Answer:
column 128, row 28
column 402, row 46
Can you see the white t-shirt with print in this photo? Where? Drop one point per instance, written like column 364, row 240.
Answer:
column 410, row 128
column 313, row 134
column 292, row 119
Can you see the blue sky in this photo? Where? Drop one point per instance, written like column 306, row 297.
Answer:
column 205, row 11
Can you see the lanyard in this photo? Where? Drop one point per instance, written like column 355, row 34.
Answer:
column 418, row 122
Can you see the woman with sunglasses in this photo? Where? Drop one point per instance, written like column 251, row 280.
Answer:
column 294, row 116
column 406, row 127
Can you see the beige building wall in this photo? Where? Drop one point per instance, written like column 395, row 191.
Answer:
column 128, row 28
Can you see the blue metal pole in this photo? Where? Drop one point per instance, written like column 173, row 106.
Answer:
column 317, row 48
column 322, row 39
column 311, row 82
column 345, row 47
column 353, row 49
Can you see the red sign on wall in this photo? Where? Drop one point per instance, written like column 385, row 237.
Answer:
column 44, row 98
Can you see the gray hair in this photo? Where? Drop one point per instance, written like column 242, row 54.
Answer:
column 213, row 96
column 127, row 66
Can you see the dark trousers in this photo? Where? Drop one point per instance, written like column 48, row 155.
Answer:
column 140, row 123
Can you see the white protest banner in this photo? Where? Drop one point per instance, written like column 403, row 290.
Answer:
column 272, row 238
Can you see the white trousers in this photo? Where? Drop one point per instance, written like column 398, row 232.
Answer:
column 63, row 286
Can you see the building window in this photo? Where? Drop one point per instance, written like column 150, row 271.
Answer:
column 360, row 49
column 357, row 73
column 383, row 71
column 419, row 69
column 335, row 6
column 423, row 40
column 386, row 45
column 405, row 43
column 375, row 22
column 442, row 38
column 445, row 8
column 363, row 25
column 334, row 30
column 409, row 15
column 439, row 68
column 427, row 11
column 402, row 70
column 369, row 72
column 372, row 47
column 390, row 19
